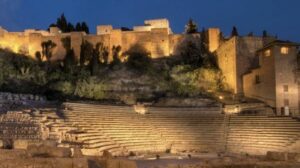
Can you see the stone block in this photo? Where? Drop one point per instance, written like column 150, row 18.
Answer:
column 117, row 163
column 46, row 151
column 277, row 156
column 107, row 154
column 20, row 144
column 76, row 152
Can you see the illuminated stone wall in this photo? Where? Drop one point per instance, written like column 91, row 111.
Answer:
column 157, row 39
column 267, row 82
column 213, row 39
column 285, row 66
column 235, row 57
column 227, row 63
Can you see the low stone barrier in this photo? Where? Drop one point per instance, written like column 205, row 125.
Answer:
column 45, row 163
column 20, row 97
column 48, row 151
column 119, row 163
column 283, row 156
column 186, row 102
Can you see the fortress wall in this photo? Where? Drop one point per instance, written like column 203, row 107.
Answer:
column 160, row 43
column 158, row 23
column 213, row 39
column 156, row 42
column 142, row 28
column 227, row 62
column 14, row 41
column 246, row 48
column 174, row 41
column 2, row 31
column 35, row 44
column 129, row 39
column 59, row 51
column 115, row 39
column 30, row 43
column 236, row 57
column 76, row 41
column 94, row 39
column 104, row 29
column 104, row 38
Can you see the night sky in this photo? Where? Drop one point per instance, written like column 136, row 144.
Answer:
column 278, row 17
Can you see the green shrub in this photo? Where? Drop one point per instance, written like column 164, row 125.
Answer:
column 64, row 87
column 138, row 59
column 90, row 88
column 189, row 81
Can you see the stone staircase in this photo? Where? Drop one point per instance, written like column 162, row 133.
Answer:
column 259, row 134
column 17, row 125
column 120, row 130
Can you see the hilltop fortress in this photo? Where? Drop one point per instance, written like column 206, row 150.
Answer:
column 237, row 56
column 155, row 36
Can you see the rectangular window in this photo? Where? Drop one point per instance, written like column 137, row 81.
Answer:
column 285, row 88
column 286, row 102
column 284, row 50
column 257, row 79
column 267, row 53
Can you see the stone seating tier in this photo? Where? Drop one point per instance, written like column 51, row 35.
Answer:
column 120, row 130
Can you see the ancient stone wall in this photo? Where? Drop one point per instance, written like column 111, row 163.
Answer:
column 274, row 81
column 236, row 57
column 16, row 125
column 246, row 48
column 260, row 83
column 213, row 39
column 227, row 63
column 157, row 39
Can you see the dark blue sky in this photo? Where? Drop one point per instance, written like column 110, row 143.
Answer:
column 279, row 17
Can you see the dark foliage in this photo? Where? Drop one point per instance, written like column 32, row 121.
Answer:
column 234, row 32
column 86, row 51
column 191, row 27
column 65, row 26
column 47, row 48
column 138, row 59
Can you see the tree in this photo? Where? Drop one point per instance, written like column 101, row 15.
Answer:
column 70, row 28
column 78, row 27
column 62, row 23
column 86, row 51
column 65, row 26
column 250, row 34
column 191, row 27
column 265, row 33
column 69, row 60
column 85, row 28
column 38, row 56
column 47, row 49
column 66, row 43
column 191, row 54
column 234, row 32
column 94, row 63
column 99, row 52
column 116, row 55
column 138, row 58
